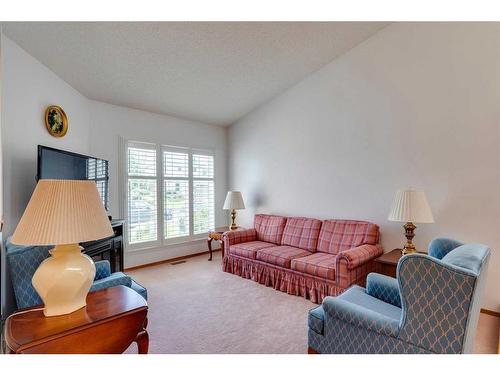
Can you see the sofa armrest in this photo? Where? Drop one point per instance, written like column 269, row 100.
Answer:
column 384, row 288
column 234, row 237
column 102, row 269
column 359, row 316
column 352, row 266
column 356, row 256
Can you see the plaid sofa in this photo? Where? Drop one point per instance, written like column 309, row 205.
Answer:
column 303, row 256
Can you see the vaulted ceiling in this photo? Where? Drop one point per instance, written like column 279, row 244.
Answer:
column 214, row 72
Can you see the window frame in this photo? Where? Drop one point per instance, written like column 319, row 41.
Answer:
column 160, row 178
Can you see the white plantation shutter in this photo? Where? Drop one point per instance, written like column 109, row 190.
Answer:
column 203, row 206
column 97, row 170
column 176, row 195
column 170, row 195
column 142, row 202
column 203, row 192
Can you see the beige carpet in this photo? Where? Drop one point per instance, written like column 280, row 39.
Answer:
column 194, row 307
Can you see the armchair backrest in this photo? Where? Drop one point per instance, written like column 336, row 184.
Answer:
column 23, row 262
column 441, row 297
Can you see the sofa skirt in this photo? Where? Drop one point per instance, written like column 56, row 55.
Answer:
column 282, row 279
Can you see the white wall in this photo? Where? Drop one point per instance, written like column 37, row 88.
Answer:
column 109, row 123
column 415, row 105
column 28, row 87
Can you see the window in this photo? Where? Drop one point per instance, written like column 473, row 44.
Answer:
column 203, row 192
column 97, row 170
column 142, row 193
column 176, row 182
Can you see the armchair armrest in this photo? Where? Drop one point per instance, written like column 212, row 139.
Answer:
column 384, row 288
column 102, row 269
column 238, row 236
column 117, row 278
column 360, row 316
column 356, row 256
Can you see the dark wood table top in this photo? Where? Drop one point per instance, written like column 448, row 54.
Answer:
column 392, row 257
column 30, row 326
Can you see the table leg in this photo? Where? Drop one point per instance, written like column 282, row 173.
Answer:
column 142, row 341
column 209, row 242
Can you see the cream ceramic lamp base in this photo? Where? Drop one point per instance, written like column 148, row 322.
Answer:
column 64, row 279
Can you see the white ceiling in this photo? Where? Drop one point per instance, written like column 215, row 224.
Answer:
column 206, row 71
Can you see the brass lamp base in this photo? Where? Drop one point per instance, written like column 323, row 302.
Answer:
column 409, row 247
column 233, row 220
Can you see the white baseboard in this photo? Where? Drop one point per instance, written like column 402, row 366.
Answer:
column 157, row 254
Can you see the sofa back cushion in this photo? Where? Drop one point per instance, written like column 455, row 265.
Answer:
column 340, row 235
column 301, row 232
column 269, row 228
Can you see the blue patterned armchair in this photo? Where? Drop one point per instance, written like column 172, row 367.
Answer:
column 24, row 260
column 432, row 307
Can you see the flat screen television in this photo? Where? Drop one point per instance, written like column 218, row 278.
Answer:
column 64, row 165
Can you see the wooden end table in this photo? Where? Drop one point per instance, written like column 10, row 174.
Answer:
column 111, row 321
column 216, row 235
column 387, row 263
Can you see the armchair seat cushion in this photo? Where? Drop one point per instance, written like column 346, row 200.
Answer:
column 249, row 249
column 358, row 296
column 317, row 264
column 316, row 319
column 281, row 255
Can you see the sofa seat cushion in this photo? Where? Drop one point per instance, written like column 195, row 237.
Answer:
column 269, row 228
column 301, row 232
column 249, row 249
column 281, row 255
column 317, row 264
column 340, row 235
column 316, row 319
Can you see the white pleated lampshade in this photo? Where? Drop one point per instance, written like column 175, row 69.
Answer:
column 234, row 201
column 63, row 212
column 411, row 206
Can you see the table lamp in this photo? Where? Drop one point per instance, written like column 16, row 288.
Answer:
column 63, row 213
column 410, row 206
column 233, row 202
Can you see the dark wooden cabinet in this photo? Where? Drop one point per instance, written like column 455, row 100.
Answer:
column 110, row 249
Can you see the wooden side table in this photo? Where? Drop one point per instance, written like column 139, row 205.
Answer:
column 111, row 321
column 387, row 263
column 217, row 236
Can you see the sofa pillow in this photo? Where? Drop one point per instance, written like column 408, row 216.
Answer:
column 269, row 228
column 339, row 235
column 301, row 232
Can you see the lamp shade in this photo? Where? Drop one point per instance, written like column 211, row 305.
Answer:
column 411, row 206
column 63, row 212
column 234, row 201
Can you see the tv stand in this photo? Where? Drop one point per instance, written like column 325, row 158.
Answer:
column 110, row 248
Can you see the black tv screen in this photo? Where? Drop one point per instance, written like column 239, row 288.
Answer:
column 64, row 165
